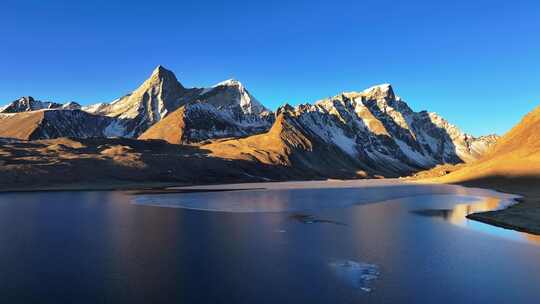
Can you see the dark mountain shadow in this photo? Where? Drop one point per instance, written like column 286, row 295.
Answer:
column 102, row 161
column 445, row 140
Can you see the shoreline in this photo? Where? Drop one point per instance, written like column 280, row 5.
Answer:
column 128, row 186
column 149, row 187
column 523, row 216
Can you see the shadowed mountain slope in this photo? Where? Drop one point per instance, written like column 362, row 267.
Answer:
column 52, row 124
column 290, row 145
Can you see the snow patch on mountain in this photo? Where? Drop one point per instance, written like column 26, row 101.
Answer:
column 232, row 93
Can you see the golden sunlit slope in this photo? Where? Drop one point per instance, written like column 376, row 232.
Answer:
column 273, row 147
column 516, row 154
column 289, row 145
column 21, row 125
column 513, row 166
column 171, row 128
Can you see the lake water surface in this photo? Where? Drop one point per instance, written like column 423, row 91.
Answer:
column 297, row 242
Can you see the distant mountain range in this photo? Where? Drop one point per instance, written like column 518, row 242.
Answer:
column 366, row 133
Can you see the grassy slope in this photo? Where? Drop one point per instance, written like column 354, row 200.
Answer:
column 513, row 166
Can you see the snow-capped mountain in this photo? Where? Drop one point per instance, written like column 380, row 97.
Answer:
column 161, row 94
column 224, row 110
column 378, row 128
column 370, row 132
column 201, row 121
column 353, row 133
column 291, row 148
column 154, row 99
column 27, row 103
column 231, row 94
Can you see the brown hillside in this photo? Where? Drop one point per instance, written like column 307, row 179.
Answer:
column 273, row 147
column 287, row 144
column 513, row 165
column 21, row 125
column 517, row 154
column 171, row 128
column 105, row 162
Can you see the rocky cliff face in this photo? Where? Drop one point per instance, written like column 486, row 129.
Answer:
column 377, row 127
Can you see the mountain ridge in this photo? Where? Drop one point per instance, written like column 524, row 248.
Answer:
column 372, row 131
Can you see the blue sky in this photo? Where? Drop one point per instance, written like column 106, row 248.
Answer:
column 477, row 63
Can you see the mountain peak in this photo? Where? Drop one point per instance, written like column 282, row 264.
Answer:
column 383, row 87
column 29, row 98
column 380, row 90
column 160, row 69
column 229, row 83
column 235, row 95
column 284, row 109
column 162, row 73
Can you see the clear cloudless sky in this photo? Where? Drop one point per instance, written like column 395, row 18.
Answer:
column 476, row 62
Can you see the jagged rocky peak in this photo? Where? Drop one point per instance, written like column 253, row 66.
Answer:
column 384, row 90
column 377, row 127
column 286, row 108
column 162, row 75
column 156, row 97
column 232, row 93
column 27, row 103
column 225, row 109
column 213, row 115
